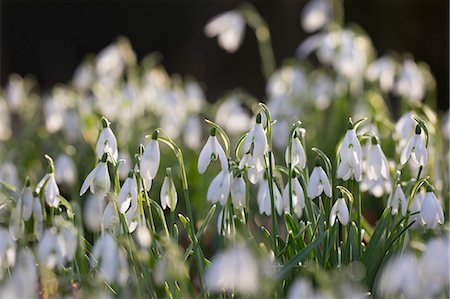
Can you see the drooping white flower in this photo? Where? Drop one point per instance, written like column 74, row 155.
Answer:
column 416, row 149
column 383, row 71
column 375, row 168
column 106, row 143
column 233, row 270
column 51, row 249
column 233, row 116
column 51, row 190
column 405, row 126
column 254, row 167
column 98, row 180
column 142, row 235
column 264, row 201
column 93, row 212
column 229, row 27
column 298, row 156
column 128, row 194
column 410, row 82
column 322, row 91
column 435, row 266
column 110, row 261
column 238, row 193
column 318, row 183
column 400, row 277
column 210, row 152
column 315, row 15
column 350, row 155
column 150, row 161
column 23, row 274
column 256, row 141
column 7, row 251
column 65, row 170
column 169, row 197
column 340, row 210
column 416, row 206
column 192, row 133
column 302, row 288
column 298, row 197
column 220, row 188
column 431, row 211
column 396, row 198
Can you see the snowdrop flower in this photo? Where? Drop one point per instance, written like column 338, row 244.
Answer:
column 376, row 169
column 321, row 91
column 431, row 211
column 238, row 193
column 298, row 197
column 65, row 169
column 318, row 183
column 263, row 198
column 383, row 71
column 254, row 167
column 411, row 82
column 350, row 154
column 315, row 15
column 256, row 141
column 107, row 142
column 7, row 251
column 397, row 198
column 9, row 174
column 286, row 82
column 220, row 188
column 340, row 210
column 23, row 274
column 416, row 149
column 233, row 270
column 192, row 133
column 233, row 116
column 110, row 261
column 229, row 27
column 302, row 288
column 51, row 190
column 142, row 235
column 405, row 126
column 298, row 156
column 210, row 152
column 400, row 276
column 434, row 265
column 416, row 206
column 51, row 249
column 169, row 197
column 128, row 195
column 93, row 212
column 98, row 180
column 150, row 161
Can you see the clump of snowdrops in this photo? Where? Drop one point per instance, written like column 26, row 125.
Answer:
column 336, row 187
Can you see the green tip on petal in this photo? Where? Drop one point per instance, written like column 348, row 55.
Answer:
column 105, row 122
column 104, row 158
column 213, row 132
column 317, row 162
column 258, row 118
column 374, row 140
column 350, row 123
column 418, row 130
column 155, row 135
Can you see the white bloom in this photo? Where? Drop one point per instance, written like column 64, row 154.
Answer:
column 93, row 211
column 298, row 156
column 143, row 236
column 321, row 91
column 397, row 198
column 110, row 261
column 416, row 149
column 350, row 154
column 23, row 274
column 7, row 251
column 192, row 133
column 405, row 126
column 315, row 15
column 220, row 188
column 435, row 265
column 211, row 151
column 229, row 27
column 318, row 183
column 416, row 206
column 298, row 197
column 169, row 197
column 9, row 174
column 106, row 143
column 238, row 193
column 256, row 141
column 65, row 170
column 150, row 161
column 51, row 249
column 254, row 167
column 128, row 195
column 377, row 165
column 98, row 180
column 263, row 198
column 302, row 288
column 340, row 210
column 411, row 82
column 51, row 190
column 400, row 276
column 431, row 211
column 383, row 71
column 286, row 82
column 233, row 117
column 233, row 270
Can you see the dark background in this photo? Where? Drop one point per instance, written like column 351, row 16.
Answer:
column 48, row 39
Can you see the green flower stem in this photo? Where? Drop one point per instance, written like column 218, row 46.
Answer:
column 357, row 196
column 259, row 25
column 184, row 180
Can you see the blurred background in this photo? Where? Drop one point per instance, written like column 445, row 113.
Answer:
column 49, row 39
